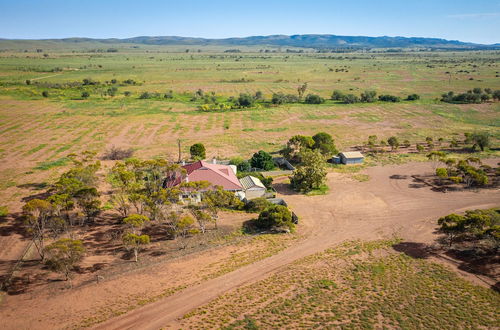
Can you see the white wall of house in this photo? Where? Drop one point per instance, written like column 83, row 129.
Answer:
column 255, row 192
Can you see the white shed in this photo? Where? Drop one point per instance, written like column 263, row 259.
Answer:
column 252, row 187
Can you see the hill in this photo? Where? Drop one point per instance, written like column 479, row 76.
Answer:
column 317, row 41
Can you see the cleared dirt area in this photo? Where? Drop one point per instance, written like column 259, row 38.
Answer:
column 379, row 208
column 389, row 204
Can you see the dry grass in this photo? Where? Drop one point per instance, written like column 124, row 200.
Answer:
column 356, row 285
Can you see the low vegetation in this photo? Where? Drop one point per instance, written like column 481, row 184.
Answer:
column 355, row 285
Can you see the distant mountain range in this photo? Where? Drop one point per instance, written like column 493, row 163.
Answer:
column 318, row 41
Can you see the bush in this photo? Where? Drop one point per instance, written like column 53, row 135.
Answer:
column 350, row 98
column 413, row 97
column 275, row 216
column 197, row 151
column 389, row 98
column 115, row 153
column 245, row 100
column 280, row 98
column 337, row 95
column 85, row 95
column 3, row 211
column 241, row 164
column 145, row 95
column 257, row 205
column 262, row 160
column 45, row 94
column 368, row 96
column 314, row 99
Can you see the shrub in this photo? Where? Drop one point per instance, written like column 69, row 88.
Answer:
column 145, row 95
column 245, row 100
column 413, row 97
column 350, row 98
column 116, row 153
column 314, row 99
column 337, row 95
column 45, row 94
column 241, row 164
column 257, row 205
column 85, row 95
column 389, row 98
column 368, row 96
column 197, row 151
column 280, row 98
column 3, row 211
column 275, row 216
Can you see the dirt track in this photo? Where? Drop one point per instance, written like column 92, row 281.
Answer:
column 379, row 208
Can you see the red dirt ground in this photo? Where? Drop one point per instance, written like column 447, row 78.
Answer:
column 379, row 208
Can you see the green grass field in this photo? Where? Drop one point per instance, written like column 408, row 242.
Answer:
column 37, row 133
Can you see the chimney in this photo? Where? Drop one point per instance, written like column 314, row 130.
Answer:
column 183, row 162
column 214, row 160
column 186, row 179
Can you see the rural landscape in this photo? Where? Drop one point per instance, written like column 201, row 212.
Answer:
column 280, row 181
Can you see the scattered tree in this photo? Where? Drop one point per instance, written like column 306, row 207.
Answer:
column 63, row 255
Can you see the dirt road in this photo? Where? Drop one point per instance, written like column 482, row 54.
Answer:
column 390, row 203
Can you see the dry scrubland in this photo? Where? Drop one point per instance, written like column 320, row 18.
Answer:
column 353, row 285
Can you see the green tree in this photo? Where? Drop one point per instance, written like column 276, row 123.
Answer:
column 480, row 139
column 325, row 144
column 452, row 225
column 88, row 201
column 275, row 216
column 311, row 174
column 63, row 255
column 202, row 217
column 442, row 173
column 372, row 141
column 45, row 94
column 368, row 96
column 295, row 145
column 85, row 94
column 393, row 142
column 135, row 242
column 217, row 199
column 37, row 213
column 241, row 164
column 135, row 222
column 197, row 151
column 262, row 160
column 245, row 100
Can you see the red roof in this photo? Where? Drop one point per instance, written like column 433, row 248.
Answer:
column 217, row 175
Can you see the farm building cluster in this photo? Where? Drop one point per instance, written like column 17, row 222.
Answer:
column 246, row 188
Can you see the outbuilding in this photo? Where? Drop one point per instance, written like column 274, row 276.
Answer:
column 351, row 157
column 253, row 187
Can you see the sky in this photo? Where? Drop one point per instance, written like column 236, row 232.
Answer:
column 471, row 20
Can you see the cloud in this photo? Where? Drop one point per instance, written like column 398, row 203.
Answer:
column 478, row 15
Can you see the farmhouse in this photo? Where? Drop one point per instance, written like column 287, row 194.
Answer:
column 252, row 187
column 216, row 174
column 351, row 157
